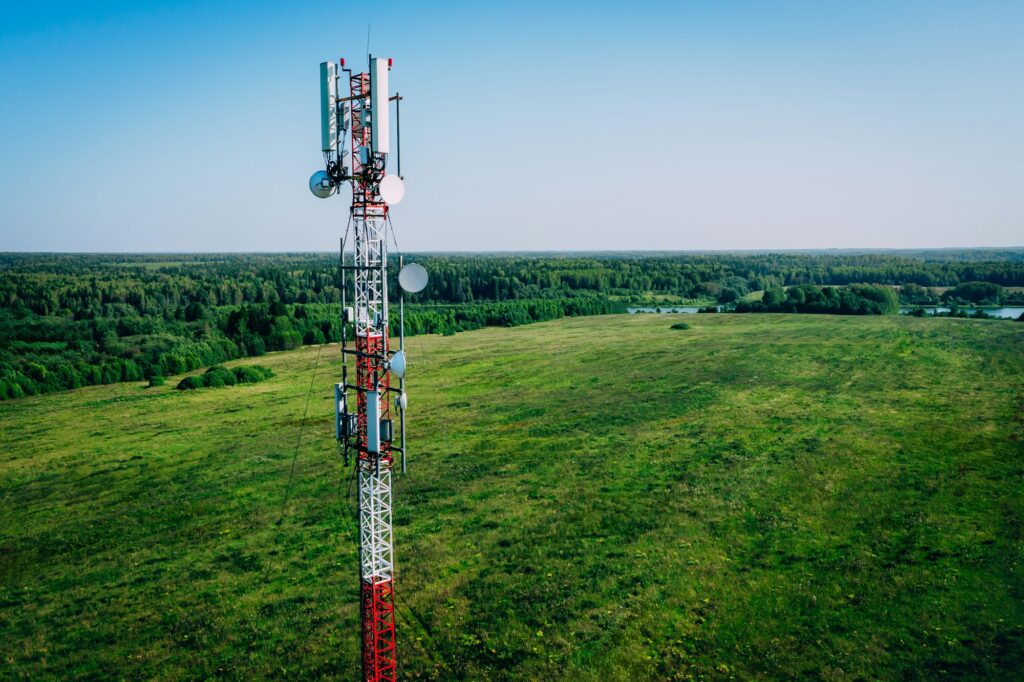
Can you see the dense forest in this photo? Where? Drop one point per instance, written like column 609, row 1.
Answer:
column 68, row 320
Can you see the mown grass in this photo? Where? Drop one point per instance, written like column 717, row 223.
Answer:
column 760, row 497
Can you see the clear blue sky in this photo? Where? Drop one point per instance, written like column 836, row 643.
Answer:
column 167, row 126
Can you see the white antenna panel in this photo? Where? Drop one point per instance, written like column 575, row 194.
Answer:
column 373, row 421
column 329, row 106
column 380, row 129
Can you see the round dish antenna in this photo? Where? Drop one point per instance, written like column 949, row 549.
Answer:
column 413, row 278
column 397, row 364
column 320, row 184
column 392, row 189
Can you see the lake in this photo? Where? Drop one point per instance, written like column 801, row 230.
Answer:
column 1008, row 312
column 663, row 309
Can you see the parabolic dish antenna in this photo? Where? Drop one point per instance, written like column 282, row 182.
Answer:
column 397, row 364
column 320, row 184
column 392, row 189
column 413, row 278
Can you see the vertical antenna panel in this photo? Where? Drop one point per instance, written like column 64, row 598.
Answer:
column 373, row 421
column 329, row 106
column 380, row 129
column 340, row 412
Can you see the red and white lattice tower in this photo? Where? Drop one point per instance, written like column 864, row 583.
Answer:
column 367, row 432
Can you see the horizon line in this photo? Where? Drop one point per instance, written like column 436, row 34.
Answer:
column 860, row 249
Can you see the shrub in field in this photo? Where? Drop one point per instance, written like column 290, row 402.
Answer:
column 190, row 383
column 219, row 376
column 680, row 325
column 156, row 380
column 250, row 374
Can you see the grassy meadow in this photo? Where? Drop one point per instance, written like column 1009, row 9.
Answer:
column 763, row 497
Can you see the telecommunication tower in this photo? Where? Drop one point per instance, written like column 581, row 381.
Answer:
column 368, row 431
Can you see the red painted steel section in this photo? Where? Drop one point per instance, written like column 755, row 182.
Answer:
column 368, row 364
column 378, row 607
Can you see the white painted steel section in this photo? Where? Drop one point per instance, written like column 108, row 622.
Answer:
column 376, row 552
column 371, row 307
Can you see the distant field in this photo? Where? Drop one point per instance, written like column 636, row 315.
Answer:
column 756, row 497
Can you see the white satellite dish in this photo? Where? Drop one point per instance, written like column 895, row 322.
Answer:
column 413, row 278
column 392, row 189
column 397, row 364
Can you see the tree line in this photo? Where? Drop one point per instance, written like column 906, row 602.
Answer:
column 855, row 299
column 70, row 320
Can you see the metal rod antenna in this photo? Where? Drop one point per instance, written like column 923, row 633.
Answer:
column 401, row 347
column 398, row 150
column 344, row 336
column 343, row 272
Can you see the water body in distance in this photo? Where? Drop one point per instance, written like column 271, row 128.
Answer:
column 668, row 309
column 1007, row 312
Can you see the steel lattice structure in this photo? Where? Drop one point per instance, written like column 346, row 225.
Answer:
column 369, row 267
column 368, row 431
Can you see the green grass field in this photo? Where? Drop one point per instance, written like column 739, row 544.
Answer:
column 756, row 497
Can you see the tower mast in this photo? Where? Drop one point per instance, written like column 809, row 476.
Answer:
column 373, row 381
column 369, row 431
